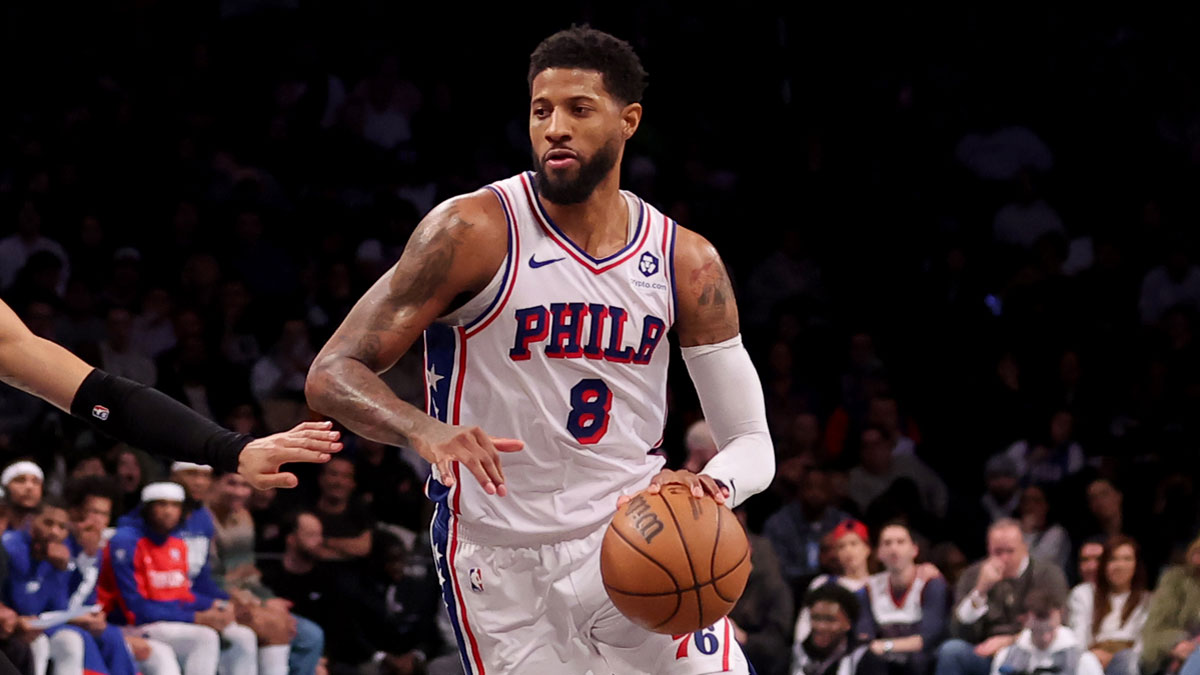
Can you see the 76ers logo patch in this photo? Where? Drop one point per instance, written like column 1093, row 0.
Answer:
column 476, row 580
column 648, row 265
column 100, row 412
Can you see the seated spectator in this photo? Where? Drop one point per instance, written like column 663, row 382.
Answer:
column 796, row 530
column 853, row 556
column 1001, row 498
column 273, row 626
column 1107, row 506
column 1088, row 565
column 1108, row 616
column 1171, row 640
column 1046, row 540
column 89, row 510
column 39, row 581
column 879, row 468
column 12, row 644
column 762, row 617
column 1051, row 459
column 169, row 610
column 990, row 598
column 884, row 413
column 22, row 484
column 389, row 486
column 254, row 603
column 905, row 614
column 1044, row 645
column 344, row 521
column 832, row 648
column 408, row 598
column 317, row 588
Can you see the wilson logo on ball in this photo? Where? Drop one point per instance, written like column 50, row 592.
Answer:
column 644, row 519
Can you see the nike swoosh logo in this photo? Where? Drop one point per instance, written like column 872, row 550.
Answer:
column 541, row 263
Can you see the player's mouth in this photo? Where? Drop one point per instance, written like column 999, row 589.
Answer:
column 560, row 158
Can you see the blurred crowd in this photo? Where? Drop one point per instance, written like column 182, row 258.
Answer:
column 964, row 254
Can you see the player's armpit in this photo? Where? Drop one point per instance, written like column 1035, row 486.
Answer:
column 454, row 252
column 707, row 309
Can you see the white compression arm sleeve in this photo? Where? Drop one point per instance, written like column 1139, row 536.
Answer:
column 732, row 399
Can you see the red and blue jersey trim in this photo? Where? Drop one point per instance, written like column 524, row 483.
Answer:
column 597, row 266
column 512, row 264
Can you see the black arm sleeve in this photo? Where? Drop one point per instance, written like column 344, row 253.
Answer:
column 151, row 420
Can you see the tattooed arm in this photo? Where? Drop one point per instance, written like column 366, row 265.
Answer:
column 729, row 389
column 453, row 253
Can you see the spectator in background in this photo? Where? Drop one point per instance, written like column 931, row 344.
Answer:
column 22, row 484
column 12, row 645
column 884, row 413
column 89, row 509
column 762, row 617
column 1107, row 506
column 905, row 612
column 169, row 610
column 1089, row 560
column 796, row 530
column 118, row 356
column 344, row 521
column 39, row 580
column 1052, row 460
column 1108, row 616
column 1000, row 500
column 17, row 248
column 1045, row 539
column 1044, row 644
column 1171, row 639
column 127, row 469
column 277, row 379
column 1173, row 283
column 700, row 446
column 853, row 550
column 254, row 603
column 832, row 648
column 990, row 599
column 389, row 486
column 879, row 467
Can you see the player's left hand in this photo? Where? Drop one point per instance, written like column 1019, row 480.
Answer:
column 260, row 460
column 701, row 485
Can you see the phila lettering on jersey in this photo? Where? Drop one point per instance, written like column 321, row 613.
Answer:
column 567, row 353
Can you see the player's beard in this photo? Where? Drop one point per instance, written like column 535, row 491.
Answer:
column 567, row 191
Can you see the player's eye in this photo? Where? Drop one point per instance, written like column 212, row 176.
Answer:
column 582, row 110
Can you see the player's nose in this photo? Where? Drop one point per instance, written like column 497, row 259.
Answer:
column 559, row 128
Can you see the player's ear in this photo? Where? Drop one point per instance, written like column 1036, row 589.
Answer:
column 631, row 117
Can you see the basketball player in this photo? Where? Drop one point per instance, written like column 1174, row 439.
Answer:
column 147, row 418
column 545, row 301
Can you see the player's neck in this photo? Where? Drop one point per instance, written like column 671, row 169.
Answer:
column 600, row 224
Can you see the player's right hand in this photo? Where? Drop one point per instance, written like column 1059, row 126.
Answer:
column 442, row 445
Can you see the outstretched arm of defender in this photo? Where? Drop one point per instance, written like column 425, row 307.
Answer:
column 454, row 252
column 148, row 418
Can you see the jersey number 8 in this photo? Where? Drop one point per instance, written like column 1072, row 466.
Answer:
column 591, row 400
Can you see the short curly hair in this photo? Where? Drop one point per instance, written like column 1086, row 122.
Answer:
column 586, row 48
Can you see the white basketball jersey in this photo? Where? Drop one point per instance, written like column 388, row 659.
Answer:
column 894, row 618
column 567, row 353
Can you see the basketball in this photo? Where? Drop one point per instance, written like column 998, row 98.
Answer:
column 673, row 563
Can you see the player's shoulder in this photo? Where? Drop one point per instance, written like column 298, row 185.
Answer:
column 693, row 252
column 472, row 216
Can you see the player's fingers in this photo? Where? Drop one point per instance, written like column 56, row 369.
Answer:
column 622, row 500
column 661, row 478
column 313, row 454
column 446, row 472
column 283, row 479
column 491, row 460
column 710, row 486
column 473, row 460
column 318, row 434
column 317, row 426
column 507, row 444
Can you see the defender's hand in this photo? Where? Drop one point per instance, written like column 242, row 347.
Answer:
column 260, row 460
column 700, row 484
column 442, row 445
